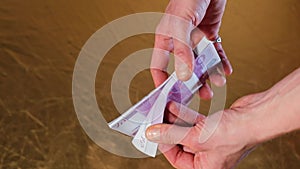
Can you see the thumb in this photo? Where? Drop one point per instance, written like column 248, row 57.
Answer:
column 169, row 134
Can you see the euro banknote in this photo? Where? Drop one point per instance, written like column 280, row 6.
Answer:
column 150, row 110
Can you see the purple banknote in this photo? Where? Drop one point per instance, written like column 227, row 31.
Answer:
column 150, row 109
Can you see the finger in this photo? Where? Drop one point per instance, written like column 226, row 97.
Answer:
column 188, row 150
column 173, row 134
column 170, row 118
column 184, row 60
column 196, row 36
column 184, row 57
column 225, row 62
column 186, row 114
column 217, row 79
column 205, row 92
column 160, row 58
column 177, row 157
column 215, row 75
column 210, row 25
column 158, row 76
column 211, row 22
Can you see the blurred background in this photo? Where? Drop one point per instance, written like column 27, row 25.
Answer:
column 39, row 44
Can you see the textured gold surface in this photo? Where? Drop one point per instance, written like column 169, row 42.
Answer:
column 40, row 41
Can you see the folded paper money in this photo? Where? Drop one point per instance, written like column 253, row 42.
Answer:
column 150, row 110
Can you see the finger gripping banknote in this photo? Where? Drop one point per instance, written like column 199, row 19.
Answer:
column 150, row 109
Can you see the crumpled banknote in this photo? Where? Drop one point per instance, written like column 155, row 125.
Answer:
column 150, row 110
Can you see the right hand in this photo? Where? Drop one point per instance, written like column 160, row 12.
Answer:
column 182, row 27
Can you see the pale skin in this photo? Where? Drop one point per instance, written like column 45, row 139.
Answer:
column 179, row 36
column 251, row 120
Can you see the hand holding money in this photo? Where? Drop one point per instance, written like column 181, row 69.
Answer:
column 150, row 109
column 180, row 29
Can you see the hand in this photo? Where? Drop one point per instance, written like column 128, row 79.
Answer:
column 211, row 143
column 179, row 31
column 222, row 139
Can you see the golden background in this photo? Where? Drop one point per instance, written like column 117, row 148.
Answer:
column 41, row 39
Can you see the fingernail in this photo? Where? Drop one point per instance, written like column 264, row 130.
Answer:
column 183, row 72
column 153, row 133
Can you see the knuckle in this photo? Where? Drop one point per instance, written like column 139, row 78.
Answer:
column 154, row 72
column 184, row 114
column 199, row 118
column 167, row 137
column 170, row 134
column 198, row 131
column 173, row 107
column 160, row 38
column 162, row 42
column 182, row 51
